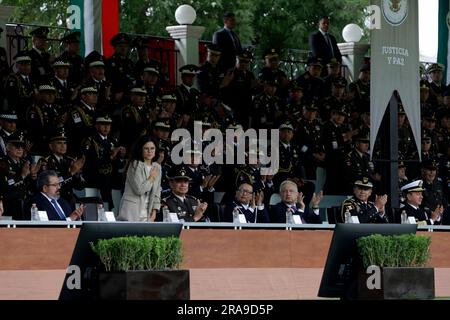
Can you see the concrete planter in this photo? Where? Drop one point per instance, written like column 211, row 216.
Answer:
column 144, row 285
column 399, row 284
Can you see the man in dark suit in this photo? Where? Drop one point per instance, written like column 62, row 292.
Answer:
column 323, row 45
column 228, row 42
column 292, row 200
column 249, row 204
column 413, row 195
column 47, row 199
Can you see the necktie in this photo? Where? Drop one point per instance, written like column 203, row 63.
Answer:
column 327, row 38
column 58, row 210
column 65, row 84
column 235, row 41
column 364, row 206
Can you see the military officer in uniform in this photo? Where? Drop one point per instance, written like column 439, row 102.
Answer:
column 101, row 151
column 41, row 64
column 359, row 91
column 266, row 109
column 142, row 48
column 360, row 206
column 335, row 101
column 413, row 193
column 66, row 90
column 67, row 168
column 154, row 91
column 82, row 118
column 334, row 71
column 187, row 208
column 187, row 95
column 272, row 70
column 119, row 66
column 293, row 110
column 311, row 82
column 72, row 55
column 20, row 88
column 8, row 124
column 404, row 133
column 437, row 88
column 209, row 76
column 96, row 78
column 433, row 194
column 17, row 177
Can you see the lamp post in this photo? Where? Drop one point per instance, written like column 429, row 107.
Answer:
column 186, row 36
column 353, row 52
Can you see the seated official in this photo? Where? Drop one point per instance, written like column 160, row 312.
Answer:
column 413, row 195
column 292, row 199
column 48, row 198
column 187, row 208
column 360, row 206
column 249, row 204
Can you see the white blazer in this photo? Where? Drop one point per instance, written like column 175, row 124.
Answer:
column 137, row 190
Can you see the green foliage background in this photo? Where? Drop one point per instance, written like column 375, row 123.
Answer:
column 267, row 24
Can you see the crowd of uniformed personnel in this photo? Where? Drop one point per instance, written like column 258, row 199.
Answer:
column 80, row 117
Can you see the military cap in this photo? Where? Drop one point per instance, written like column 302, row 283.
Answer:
column 151, row 70
column 333, row 63
column 61, row 64
column 429, row 116
column 17, row 137
column 271, row 53
column 311, row 107
column 339, row 82
column 429, row 164
column 9, row 115
column 364, row 183
column 235, row 126
column 229, row 15
column 103, row 118
column 94, row 59
column 138, row 90
column 88, row 90
column 73, row 37
column 162, row 124
column 47, row 87
column 120, row 38
column 40, row 32
column 22, row 57
column 342, row 110
column 313, row 61
column 401, row 164
column 177, row 172
column 424, row 85
column 286, row 125
column 245, row 55
column 140, row 43
column 401, row 110
column 435, row 67
column 362, row 138
column 270, row 79
column 169, row 97
column 189, row 69
column 426, row 139
column 59, row 134
column 415, row 186
column 294, row 85
column 364, row 67
column 213, row 48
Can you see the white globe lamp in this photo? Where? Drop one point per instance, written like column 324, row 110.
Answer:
column 185, row 14
column 352, row 33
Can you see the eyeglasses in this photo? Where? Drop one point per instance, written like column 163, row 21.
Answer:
column 54, row 185
column 245, row 191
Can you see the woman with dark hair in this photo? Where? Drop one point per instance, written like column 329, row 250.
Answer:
column 142, row 195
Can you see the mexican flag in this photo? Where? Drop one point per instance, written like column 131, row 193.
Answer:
column 98, row 22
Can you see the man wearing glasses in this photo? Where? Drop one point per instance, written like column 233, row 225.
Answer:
column 48, row 199
column 249, row 204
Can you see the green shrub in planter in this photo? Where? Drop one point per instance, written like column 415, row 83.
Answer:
column 408, row 250
column 134, row 253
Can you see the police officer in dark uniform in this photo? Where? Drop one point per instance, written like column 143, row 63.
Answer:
column 359, row 91
column 426, row 154
column 187, row 95
column 101, row 151
column 72, row 55
column 96, row 78
column 41, row 117
column 68, row 169
column 309, row 139
column 266, row 107
column 209, row 75
column 360, row 206
column 119, row 66
column 311, row 82
column 41, row 64
column 82, row 118
column 187, row 207
column 17, row 177
column 335, row 101
column 433, row 195
column 272, row 70
column 168, row 107
column 134, row 116
column 437, row 88
column 20, row 88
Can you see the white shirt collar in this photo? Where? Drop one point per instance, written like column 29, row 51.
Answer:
column 415, row 208
column 57, row 157
column 37, row 50
column 188, row 88
column 87, row 106
column 103, row 137
column 181, row 198
column 322, row 32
